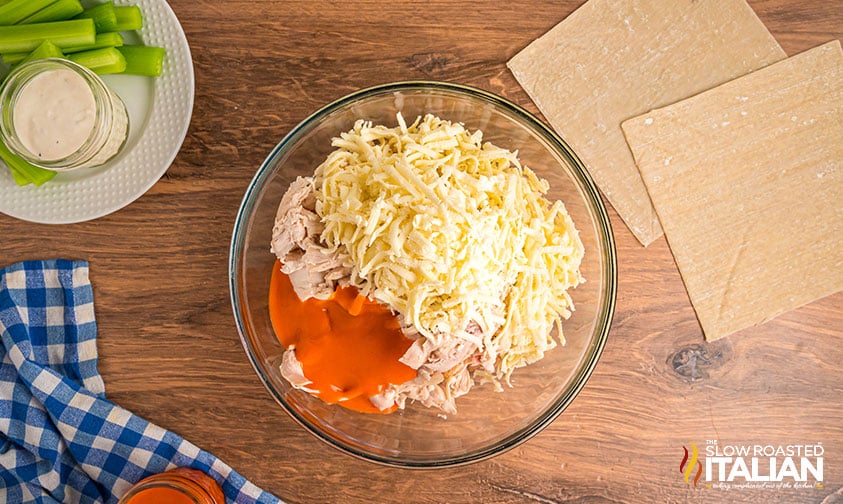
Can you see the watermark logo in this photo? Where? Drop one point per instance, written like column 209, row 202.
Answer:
column 737, row 465
column 690, row 461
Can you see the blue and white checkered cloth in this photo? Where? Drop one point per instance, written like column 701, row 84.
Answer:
column 61, row 440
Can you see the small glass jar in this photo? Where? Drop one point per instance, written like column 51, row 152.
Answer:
column 182, row 485
column 59, row 115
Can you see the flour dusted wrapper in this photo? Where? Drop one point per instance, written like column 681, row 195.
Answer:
column 613, row 60
column 747, row 179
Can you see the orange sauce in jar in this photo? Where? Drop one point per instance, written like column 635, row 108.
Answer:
column 177, row 486
column 348, row 345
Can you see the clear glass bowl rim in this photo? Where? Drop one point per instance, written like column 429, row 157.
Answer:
column 605, row 237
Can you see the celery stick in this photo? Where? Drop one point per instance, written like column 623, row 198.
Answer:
column 128, row 18
column 22, row 38
column 103, row 15
column 47, row 49
column 143, row 60
column 102, row 61
column 21, row 179
column 107, row 39
column 23, row 172
column 13, row 11
column 15, row 57
column 60, row 10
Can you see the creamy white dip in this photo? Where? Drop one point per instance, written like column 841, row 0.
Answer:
column 55, row 114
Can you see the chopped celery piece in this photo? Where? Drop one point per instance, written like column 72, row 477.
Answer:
column 47, row 49
column 128, row 18
column 13, row 11
column 103, row 15
column 20, row 178
column 23, row 172
column 143, row 60
column 59, row 10
column 24, row 38
column 15, row 57
column 107, row 39
column 101, row 61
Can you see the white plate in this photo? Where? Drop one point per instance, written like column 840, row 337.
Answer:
column 159, row 114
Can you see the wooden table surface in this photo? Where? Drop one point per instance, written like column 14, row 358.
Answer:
column 169, row 350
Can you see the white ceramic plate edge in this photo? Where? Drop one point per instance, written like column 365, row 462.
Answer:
column 79, row 196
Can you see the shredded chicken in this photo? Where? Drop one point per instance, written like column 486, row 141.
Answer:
column 444, row 364
column 313, row 269
column 291, row 370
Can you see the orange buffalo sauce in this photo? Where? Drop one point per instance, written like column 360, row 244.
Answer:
column 162, row 495
column 348, row 346
column 177, row 486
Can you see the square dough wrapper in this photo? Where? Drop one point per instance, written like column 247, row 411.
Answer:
column 747, row 179
column 611, row 60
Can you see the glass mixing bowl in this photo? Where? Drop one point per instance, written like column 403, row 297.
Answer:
column 487, row 422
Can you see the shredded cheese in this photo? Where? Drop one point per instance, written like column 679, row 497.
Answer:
column 449, row 230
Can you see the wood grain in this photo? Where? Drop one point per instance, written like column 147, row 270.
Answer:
column 169, row 350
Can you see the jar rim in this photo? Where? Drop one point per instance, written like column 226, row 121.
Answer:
column 106, row 104
column 174, row 481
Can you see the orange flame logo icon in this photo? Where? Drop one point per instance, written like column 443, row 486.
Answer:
column 689, row 462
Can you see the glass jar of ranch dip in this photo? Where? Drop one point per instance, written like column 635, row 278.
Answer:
column 59, row 115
